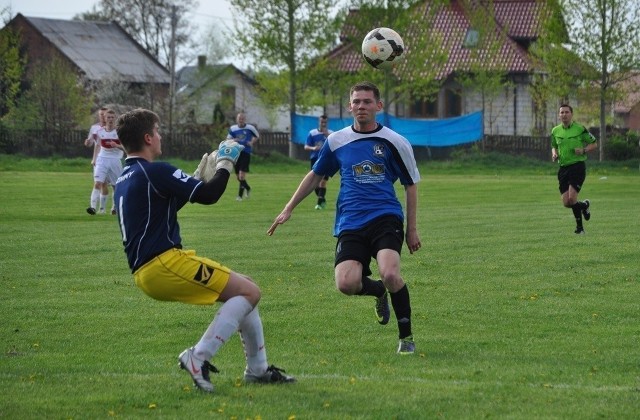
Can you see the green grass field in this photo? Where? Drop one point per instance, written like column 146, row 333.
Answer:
column 514, row 316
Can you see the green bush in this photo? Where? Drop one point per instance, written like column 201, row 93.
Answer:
column 620, row 147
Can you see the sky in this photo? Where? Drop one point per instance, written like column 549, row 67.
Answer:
column 209, row 12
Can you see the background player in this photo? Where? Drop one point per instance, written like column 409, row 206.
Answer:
column 570, row 143
column 315, row 140
column 107, row 154
column 246, row 135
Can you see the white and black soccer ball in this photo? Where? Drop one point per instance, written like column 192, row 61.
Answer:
column 382, row 48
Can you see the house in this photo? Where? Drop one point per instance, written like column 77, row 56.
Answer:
column 210, row 94
column 512, row 111
column 627, row 111
column 95, row 50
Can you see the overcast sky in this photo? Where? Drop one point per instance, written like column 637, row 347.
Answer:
column 209, row 12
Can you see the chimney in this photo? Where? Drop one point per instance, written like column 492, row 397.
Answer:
column 202, row 61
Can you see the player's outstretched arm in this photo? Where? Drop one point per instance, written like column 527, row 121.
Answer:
column 308, row 184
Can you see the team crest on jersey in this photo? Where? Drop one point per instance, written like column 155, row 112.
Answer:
column 378, row 149
column 367, row 172
column 178, row 174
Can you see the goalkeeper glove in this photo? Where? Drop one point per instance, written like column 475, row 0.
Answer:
column 229, row 150
column 198, row 173
column 207, row 167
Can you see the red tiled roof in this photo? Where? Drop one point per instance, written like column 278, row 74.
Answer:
column 519, row 19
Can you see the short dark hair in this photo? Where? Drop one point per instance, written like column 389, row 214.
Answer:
column 368, row 86
column 133, row 125
column 566, row 106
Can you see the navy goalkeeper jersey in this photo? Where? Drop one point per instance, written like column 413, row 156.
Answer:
column 148, row 196
column 369, row 164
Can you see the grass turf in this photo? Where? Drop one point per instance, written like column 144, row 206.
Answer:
column 514, row 316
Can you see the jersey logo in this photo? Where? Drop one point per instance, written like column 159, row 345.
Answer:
column 204, row 274
column 378, row 149
column 367, row 172
column 178, row 174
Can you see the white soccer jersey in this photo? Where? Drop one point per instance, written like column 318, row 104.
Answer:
column 108, row 141
column 93, row 132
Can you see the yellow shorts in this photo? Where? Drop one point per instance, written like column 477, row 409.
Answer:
column 179, row 275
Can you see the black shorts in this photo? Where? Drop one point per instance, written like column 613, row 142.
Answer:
column 573, row 175
column 386, row 232
column 313, row 162
column 243, row 162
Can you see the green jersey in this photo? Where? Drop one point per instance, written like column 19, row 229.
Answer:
column 566, row 140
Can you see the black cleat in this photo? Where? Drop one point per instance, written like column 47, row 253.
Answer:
column 586, row 214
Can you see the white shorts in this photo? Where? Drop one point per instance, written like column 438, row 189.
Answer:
column 107, row 170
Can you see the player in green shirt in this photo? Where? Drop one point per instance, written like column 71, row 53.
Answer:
column 570, row 143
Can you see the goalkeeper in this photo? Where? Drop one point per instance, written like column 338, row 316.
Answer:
column 148, row 196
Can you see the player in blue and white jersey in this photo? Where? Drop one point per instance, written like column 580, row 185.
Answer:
column 315, row 140
column 369, row 217
column 149, row 195
column 246, row 135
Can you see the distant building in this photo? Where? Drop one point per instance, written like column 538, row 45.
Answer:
column 517, row 23
column 204, row 92
column 96, row 50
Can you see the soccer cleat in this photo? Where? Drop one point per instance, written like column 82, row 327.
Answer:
column 318, row 207
column 91, row 211
column 273, row 375
column 382, row 309
column 198, row 369
column 406, row 346
column 113, row 212
column 238, row 198
column 323, row 204
column 579, row 231
column 101, row 211
column 247, row 193
column 585, row 212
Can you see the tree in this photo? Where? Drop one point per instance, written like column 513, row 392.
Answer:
column 484, row 74
column 289, row 34
column 149, row 22
column 56, row 100
column 12, row 66
column 604, row 34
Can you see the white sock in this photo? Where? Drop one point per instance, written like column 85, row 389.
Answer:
column 223, row 326
column 95, row 196
column 252, row 337
column 103, row 201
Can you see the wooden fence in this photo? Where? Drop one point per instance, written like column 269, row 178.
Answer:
column 191, row 146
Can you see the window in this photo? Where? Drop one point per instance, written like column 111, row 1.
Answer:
column 471, row 38
column 453, row 103
column 421, row 108
column 228, row 99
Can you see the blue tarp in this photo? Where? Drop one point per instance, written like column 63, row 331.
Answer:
column 433, row 133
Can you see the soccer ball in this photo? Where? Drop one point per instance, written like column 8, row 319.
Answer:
column 382, row 48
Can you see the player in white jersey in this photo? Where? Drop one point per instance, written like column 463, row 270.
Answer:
column 108, row 153
column 90, row 141
column 369, row 217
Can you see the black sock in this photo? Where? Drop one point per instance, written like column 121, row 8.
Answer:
column 245, row 185
column 240, row 190
column 322, row 192
column 317, row 191
column 372, row 287
column 577, row 213
column 402, row 308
